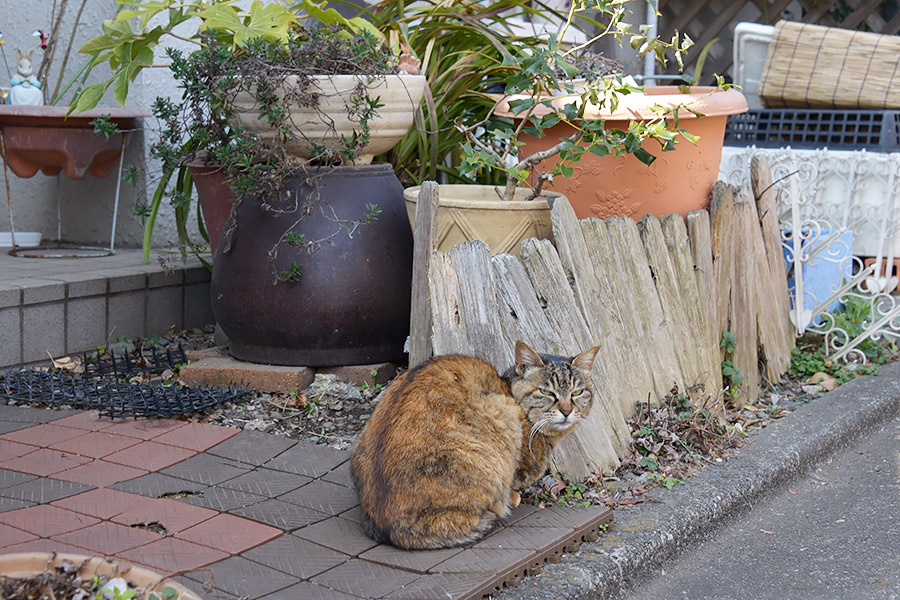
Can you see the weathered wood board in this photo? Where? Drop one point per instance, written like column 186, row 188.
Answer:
column 777, row 347
column 425, row 244
column 655, row 298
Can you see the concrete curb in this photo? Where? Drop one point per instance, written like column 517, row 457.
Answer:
column 646, row 535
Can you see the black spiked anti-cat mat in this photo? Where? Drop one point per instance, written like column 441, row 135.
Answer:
column 118, row 386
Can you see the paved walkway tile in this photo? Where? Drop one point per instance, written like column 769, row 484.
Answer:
column 249, row 514
column 46, row 520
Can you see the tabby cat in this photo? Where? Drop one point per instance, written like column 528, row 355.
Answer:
column 450, row 442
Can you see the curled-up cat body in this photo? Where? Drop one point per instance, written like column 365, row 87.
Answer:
column 450, row 442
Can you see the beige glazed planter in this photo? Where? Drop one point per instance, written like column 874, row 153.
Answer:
column 27, row 564
column 326, row 123
column 475, row 212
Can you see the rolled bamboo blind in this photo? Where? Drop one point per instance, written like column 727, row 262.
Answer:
column 825, row 67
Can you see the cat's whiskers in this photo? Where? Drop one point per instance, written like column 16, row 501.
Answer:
column 535, row 429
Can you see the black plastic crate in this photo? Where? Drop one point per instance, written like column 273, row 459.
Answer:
column 875, row 130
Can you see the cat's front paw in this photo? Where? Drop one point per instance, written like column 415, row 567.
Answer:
column 514, row 499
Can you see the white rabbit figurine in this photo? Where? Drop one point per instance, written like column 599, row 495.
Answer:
column 24, row 87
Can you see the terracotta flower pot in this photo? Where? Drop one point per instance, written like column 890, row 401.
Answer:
column 475, row 212
column 326, row 123
column 27, row 564
column 678, row 181
column 43, row 138
column 215, row 197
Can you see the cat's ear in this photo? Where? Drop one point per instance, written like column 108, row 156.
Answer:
column 526, row 357
column 585, row 360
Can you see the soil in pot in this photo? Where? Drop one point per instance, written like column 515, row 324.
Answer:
column 336, row 291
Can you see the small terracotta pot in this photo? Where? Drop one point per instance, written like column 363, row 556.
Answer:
column 475, row 212
column 26, row 564
column 215, row 197
column 678, row 181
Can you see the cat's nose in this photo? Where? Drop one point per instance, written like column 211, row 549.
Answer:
column 565, row 410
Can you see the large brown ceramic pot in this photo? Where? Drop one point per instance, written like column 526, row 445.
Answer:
column 678, row 181
column 215, row 197
column 349, row 301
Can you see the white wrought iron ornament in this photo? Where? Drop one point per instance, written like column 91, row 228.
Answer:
column 822, row 195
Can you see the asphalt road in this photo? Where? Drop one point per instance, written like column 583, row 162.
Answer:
column 833, row 533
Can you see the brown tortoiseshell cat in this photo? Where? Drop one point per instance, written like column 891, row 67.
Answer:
column 450, row 442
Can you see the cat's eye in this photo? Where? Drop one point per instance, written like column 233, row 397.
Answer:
column 577, row 393
column 547, row 392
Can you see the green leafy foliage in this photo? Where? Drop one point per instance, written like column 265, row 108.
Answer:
column 806, row 361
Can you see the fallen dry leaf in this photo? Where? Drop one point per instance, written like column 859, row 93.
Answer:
column 768, row 532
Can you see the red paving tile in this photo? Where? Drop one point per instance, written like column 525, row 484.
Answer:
column 150, row 456
column 103, row 503
column 94, row 444
column 46, row 520
column 10, row 536
column 100, row 473
column 171, row 555
column 175, row 516
column 42, row 436
column 44, row 462
column 108, row 538
column 43, row 545
column 229, row 533
column 10, row 450
column 88, row 420
column 145, row 429
column 197, row 436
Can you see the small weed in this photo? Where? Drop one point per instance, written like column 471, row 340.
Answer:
column 168, row 593
column 806, row 361
column 295, row 239
column 104, row 126
column 292, row 273
column 666, row 481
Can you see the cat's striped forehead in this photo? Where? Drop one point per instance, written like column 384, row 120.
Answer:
column 557, row 372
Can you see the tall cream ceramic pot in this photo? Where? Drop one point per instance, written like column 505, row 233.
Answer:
column 333, row 117
column 476, row 212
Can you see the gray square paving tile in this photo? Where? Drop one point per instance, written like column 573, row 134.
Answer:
column 309, row 591
column 245, row 578
column 159, row 485
column 164, row 309
column 448, row 586
column 207, row 469
column 296, row 556
column 9, row 479
column 197, row 306
column 280, row 514
column 10, row 295
column 364, row 579
column 499, row 561
column 338, row 534
column 33, row 416
column 267, row 482
column 323, row 496
column 252, row 447
column 308, row 459
column 43, row 490
column 80, row 285
column 340, row 475
column 525, row 538
column 10, row 426
column 7, row 504
column 223, row 499
column 417, row 561
column 46, row 291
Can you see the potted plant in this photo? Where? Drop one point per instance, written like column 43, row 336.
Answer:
column 52, row 575
column 315, row 261
column 542, row 95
